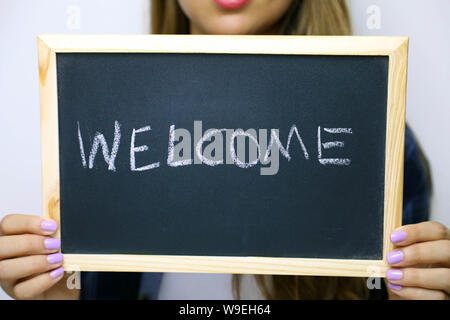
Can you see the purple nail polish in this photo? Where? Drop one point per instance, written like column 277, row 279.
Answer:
column 393, row 274
column 394, row 286
column 55, row 258
column 398, row 236
column 49, row 225
column 395, row 257
column 52, row 243
column 57, row 273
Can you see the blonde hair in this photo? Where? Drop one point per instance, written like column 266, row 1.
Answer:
column 307, row 17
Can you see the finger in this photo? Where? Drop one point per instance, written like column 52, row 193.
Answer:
column 27, row 244
column 431, row 252
column 21, row 224
column 37, row 285
column 428, row 278
column 420, row 232
column 18, row 268
column 412, row 293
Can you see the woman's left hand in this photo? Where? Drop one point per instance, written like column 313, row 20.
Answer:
column 420, row 263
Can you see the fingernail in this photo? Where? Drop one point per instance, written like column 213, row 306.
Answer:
column 49, row 225
column 394, row 286
column 54, row 258
column 393, row 274
column 398, row 236
column 57, row 273
column 52, row 243
column 395, row 257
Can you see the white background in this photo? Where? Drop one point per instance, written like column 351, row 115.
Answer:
column 425, row 22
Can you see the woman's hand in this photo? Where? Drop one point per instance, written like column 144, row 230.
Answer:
column 30, row 264
column 420, row 262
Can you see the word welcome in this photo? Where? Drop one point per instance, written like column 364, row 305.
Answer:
column 208, row 147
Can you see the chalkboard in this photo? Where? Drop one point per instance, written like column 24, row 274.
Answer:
column 219, row 154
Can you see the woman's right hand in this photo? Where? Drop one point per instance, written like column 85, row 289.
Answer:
column 30, row 261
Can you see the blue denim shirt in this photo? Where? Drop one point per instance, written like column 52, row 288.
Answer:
column 417, row 185
column 132, row 285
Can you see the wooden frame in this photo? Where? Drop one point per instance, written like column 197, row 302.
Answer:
column 396, row 48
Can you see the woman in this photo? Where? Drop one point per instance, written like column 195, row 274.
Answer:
column 30, row 266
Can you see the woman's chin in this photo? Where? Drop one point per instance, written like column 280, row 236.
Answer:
column 230, row 26
column 228, row 31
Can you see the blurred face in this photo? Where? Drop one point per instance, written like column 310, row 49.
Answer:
column 234, row 16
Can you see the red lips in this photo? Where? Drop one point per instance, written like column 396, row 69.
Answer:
column 231, row 4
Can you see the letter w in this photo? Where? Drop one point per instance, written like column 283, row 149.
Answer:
column 99, row 140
